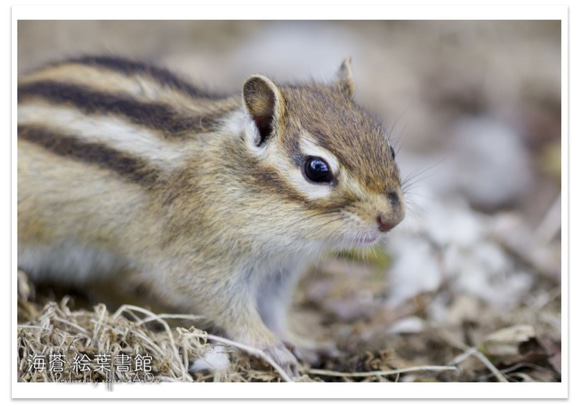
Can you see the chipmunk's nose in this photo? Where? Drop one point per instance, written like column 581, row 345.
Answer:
column 389, row 216
column 385, row 223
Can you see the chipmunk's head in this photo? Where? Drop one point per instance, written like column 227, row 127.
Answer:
column 326, row 158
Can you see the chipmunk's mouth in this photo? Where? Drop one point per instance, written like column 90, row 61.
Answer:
column 357, row 239
column 369, row 239
column 362, row 240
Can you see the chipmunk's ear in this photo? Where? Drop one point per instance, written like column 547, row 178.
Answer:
column 344, row 75
column 264, row 103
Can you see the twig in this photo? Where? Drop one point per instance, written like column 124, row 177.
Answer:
column 68, row 323
column 383, row 373
column 476, row 353
column 169, row 316
column 31, row 326
column 490, row 366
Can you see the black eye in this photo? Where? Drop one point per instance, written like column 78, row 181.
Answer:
column 392, row 152
column 317, row 170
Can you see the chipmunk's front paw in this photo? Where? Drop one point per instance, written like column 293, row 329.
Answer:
column 284, row 358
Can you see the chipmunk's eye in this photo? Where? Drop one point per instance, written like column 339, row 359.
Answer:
column 392, row 152
column 317, row 170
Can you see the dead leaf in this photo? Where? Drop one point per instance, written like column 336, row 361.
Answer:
column 506, row 341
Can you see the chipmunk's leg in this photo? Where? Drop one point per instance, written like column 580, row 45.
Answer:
column 274, row 299
column 230, row 304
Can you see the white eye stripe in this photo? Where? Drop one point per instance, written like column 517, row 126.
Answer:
column 310, row 190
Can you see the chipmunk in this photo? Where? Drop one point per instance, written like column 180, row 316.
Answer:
column 217, row 203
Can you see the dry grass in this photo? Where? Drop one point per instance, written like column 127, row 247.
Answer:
column 55, row 331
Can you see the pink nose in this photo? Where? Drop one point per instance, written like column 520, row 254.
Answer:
column 384, row 224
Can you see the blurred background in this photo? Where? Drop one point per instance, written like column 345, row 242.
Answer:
column 474, row 108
